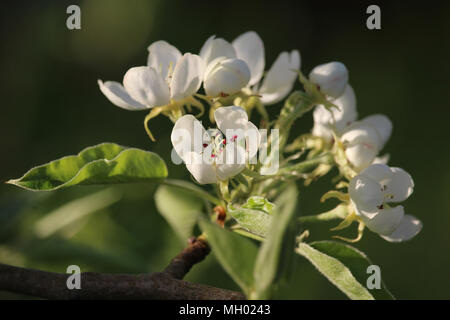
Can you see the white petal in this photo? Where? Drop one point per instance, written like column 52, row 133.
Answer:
column 145, row 85
column 250, row 48
column 347, row 113
column 280, row 79
column 321, row 130
column 253, row 140
column 361, row 143
column 228, row 76
column 231, row 161
column 366, row 194
column 409, row 227
column 163, row 57
column 361, row 155
column 215, row 48
column 382, row 124
column 378, row 172
column 331, row 77
column 187, row 76
column 359, row 132
column 384, row 159
column 202, row 171
column 386, row 221
column 400, row 185
column 231, row 117
column 116, row 93
column 188, row 136
column 343, row 117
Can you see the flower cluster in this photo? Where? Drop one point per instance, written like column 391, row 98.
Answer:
column 230, row 78
column 373, row 186
column 224, row 68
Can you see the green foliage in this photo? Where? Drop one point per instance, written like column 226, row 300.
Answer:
column 235, row 253
column 277, row 250
column 355, row 260
column 180, row 208
column 259, row 203
column 344, row 266
column 105, row 163
column 254, row 216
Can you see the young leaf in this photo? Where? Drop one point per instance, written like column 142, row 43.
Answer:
column 356, row 261
column 180, row 208
column 254, row 216
column 335, row 271
column 235, row 253
column 270, row 255
column 101, row 164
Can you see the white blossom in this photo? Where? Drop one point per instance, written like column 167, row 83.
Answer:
column 280, row 78
column 225, row 74
column 169, row 76
column 364, row 139
column 331, row 78
column 373, row 193
column 217, row 154
column 325, row 121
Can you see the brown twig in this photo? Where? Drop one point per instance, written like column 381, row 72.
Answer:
column 160, row 285
column 197, row 250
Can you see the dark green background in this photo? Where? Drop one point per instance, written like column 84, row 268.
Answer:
column 51, row 106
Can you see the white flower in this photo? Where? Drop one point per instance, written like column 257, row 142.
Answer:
column 331, row 78
column 279, row 80
column 225, row 74
column 373, row 190
column 217, row 154
column 364, row 139
column 325, row 121
column 168, row 77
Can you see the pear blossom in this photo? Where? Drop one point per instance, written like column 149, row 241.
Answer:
column 325, row 121
column 169, row 76
column 364, row 139
column 224, row 74
column 217, row 154
column 331, row 78
column 373, row 193
column 280, row 78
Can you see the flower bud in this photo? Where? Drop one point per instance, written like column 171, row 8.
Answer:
column 362, row 145
column 226, row 76
column 331, row 78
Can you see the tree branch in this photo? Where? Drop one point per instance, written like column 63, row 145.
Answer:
column 197, row 250
column 160, row 285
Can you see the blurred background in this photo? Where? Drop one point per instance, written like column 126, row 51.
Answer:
column 51, row 107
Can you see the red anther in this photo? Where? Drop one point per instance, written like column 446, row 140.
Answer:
column 205, row 145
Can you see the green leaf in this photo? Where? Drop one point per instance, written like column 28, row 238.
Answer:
column 101, row 164
column 278, row 248
column 259, row 203
column 74, row 211
column 355, row 260
column 254, row 216
column 192, row 188
column 235, row 253
column 180, row 208
column 335, row 271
